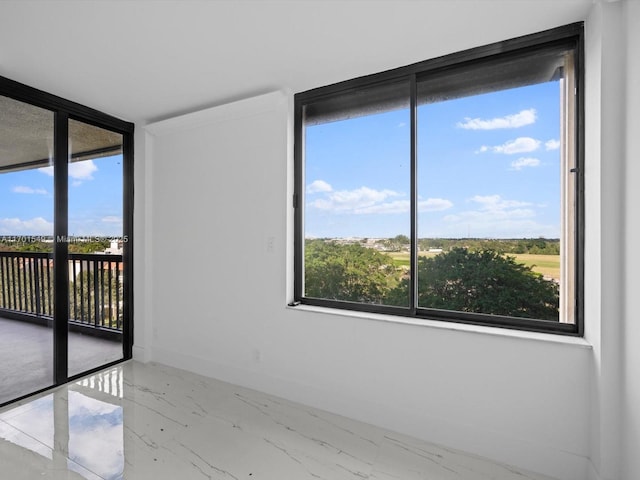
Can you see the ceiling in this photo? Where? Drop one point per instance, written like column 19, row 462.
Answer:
column 26, row 137
column 148, row 60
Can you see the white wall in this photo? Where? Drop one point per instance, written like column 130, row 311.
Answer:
column 612, row 148
column 604, row 176
column 631, row 328
column 593, row 244
column 142, row 246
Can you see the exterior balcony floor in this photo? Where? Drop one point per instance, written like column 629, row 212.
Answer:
column 26, row 356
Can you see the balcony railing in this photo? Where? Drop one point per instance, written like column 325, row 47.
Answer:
column 95, row 288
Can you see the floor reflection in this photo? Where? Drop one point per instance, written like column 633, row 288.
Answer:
column 96, row 435
column 79, row 428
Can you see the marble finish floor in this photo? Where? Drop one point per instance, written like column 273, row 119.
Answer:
column 148, row 421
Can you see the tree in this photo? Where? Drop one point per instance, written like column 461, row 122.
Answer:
column 482, row 282
column 347, row 272
column 95, row 296
column 401, row 240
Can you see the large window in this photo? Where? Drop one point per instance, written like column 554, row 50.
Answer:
column 450, row 189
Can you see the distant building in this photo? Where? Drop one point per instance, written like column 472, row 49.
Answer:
column 115, row 248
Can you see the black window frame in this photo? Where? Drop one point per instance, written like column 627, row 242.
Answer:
column 571, row 36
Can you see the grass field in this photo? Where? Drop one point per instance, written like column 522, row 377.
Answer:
column 547, row 265
column 401, row 259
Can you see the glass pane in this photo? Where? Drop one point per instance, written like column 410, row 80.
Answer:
column 357, row 198
column 26, row 246
column 96, row 242
column 492, row 157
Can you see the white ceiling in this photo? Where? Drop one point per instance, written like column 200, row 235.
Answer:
column 148, row 60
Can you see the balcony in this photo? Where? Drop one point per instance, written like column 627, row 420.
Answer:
column 26, row 317
column 95, row 290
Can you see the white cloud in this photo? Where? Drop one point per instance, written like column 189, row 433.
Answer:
column 403, row 206
column 318, row 186
column 523, row 162
column 397, row 206
column 82, row 170
column 434, row 205
column 496, row 202
column 520, row 119
column 365, row 201
column 493, row 217
column 79, row 171
column 349, row 201
column 552, row 144
column 17, row 226
column 112, row 219
column 519, row 145
column 29, row 190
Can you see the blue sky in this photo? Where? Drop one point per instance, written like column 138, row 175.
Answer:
column 95, row 199
column 488, row 167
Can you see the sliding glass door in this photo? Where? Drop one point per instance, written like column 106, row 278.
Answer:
column 27, row 291
column 66, row 200
column 95, row 246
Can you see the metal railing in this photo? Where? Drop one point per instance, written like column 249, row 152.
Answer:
column 95, row 287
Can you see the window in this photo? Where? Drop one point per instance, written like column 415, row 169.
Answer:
column 450, row 189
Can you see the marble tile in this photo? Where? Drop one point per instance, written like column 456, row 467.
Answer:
column 407, row 458
column 136, row 421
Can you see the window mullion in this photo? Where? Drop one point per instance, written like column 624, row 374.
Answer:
column 413, row 109
column 60, row 249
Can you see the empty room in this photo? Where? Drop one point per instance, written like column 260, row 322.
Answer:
column 307, row 239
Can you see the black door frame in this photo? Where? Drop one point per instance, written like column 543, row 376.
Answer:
column 63, row 111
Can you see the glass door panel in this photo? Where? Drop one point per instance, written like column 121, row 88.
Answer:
column 26, row 245
column 96, row 242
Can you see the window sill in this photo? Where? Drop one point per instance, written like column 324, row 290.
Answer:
column 437, row 324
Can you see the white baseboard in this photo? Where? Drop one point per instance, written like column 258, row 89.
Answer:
column 140, row 354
